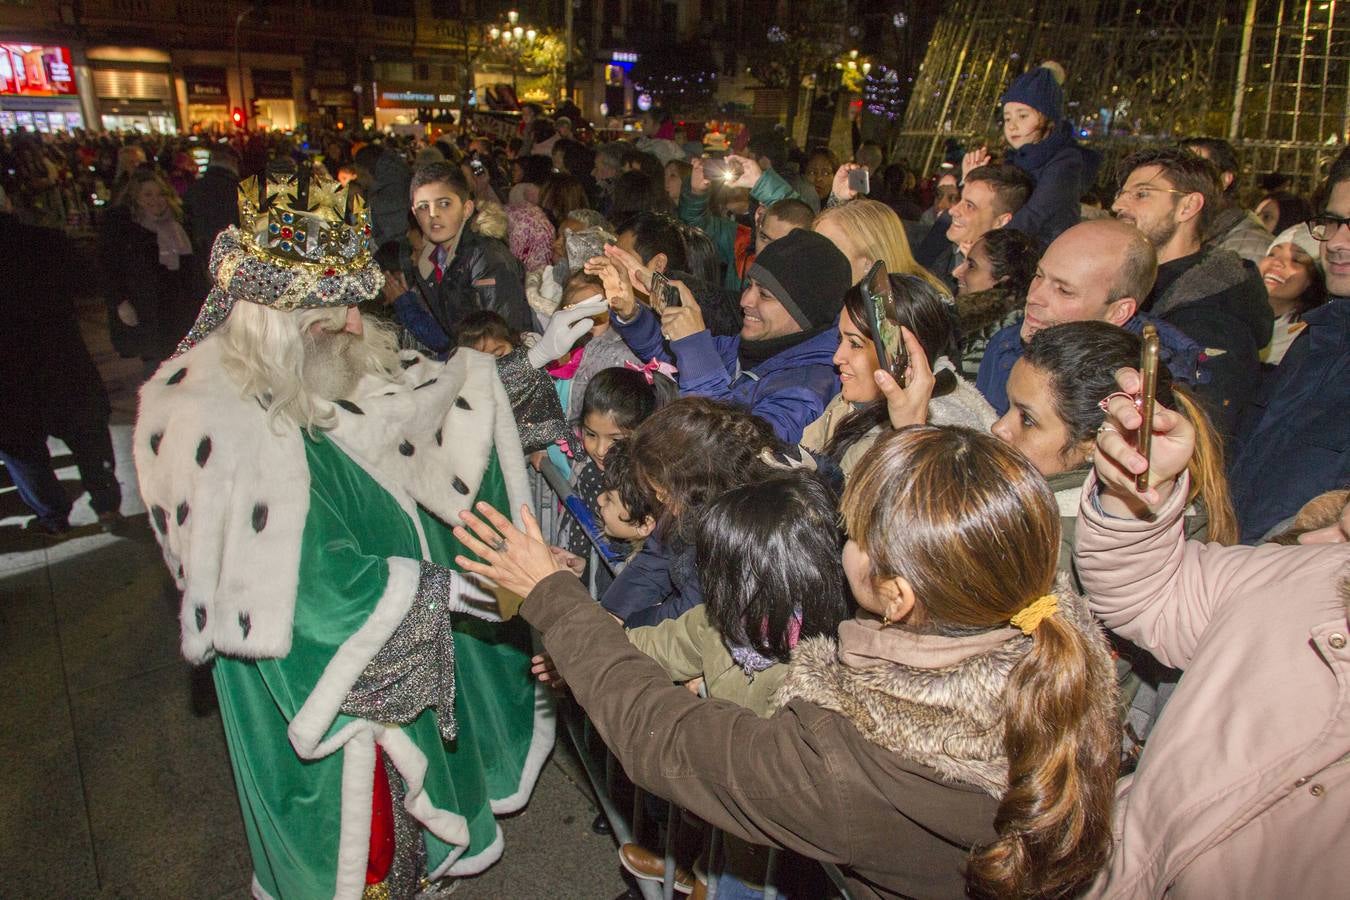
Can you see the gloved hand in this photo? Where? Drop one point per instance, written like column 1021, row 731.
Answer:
column 565, row 328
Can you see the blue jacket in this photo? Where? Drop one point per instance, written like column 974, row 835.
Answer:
column 789, row 390
column 659, row 583
column 1183, row 357
column 1062, row 170
column 1294, row 439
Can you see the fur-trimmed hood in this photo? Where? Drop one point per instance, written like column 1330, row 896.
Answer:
column 934, row 699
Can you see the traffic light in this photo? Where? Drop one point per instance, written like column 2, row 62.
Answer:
column 237, row 117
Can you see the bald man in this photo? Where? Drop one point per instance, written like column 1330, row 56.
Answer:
column 1097, row 270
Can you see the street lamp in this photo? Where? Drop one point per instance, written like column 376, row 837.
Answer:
column 513, row 38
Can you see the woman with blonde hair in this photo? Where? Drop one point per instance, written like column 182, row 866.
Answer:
column 153, row 285
column 867, row 230
column 958, row 736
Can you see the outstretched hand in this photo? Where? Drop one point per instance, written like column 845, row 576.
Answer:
column 1117, row 460
column 908, row 405
column 512, row 559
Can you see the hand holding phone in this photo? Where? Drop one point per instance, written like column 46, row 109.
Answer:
column 884, row 322
column 1148, row 396
column 663, row 294
column 716, row 170
column 859, row 182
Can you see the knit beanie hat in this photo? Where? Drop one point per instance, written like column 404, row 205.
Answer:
column 1040, row 89
column 1300, row 237
column 808, row 275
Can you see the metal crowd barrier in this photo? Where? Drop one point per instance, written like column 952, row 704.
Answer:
column 549, row 488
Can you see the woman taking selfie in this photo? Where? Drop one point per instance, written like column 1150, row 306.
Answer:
column 957, row 737
column 1055, row 391
column 858, row 415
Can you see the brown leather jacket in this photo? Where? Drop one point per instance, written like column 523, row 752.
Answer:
column 806, row 778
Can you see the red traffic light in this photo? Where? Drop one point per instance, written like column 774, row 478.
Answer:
column 237, row 116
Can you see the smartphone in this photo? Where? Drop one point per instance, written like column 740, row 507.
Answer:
column 1148, row 394
column 716, row 169
column 858, row 181
column 884, row 322
column 663, row 293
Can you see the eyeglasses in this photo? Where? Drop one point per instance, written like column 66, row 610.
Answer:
column 1323, row 227
column 1141, row 193
column 442, row 204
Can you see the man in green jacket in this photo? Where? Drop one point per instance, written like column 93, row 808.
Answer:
column 734, row 242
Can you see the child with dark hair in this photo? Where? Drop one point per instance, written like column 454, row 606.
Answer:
column 534, row 403
column 627, row 514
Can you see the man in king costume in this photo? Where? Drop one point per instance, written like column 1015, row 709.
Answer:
column 299, row 473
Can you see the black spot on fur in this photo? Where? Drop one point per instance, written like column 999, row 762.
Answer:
column 182, row 512
column 462, row 403
column 428, row 383
column 406, row 449
column 351, row 407
column 259, row 516
column 245, row 624
column 161, row 519
column 408, row 362
column 203, row 451
column 154, row 442
column 460, row 486
column 438, row 437
column 178, row 376
column 180, row 571
column 200, row 613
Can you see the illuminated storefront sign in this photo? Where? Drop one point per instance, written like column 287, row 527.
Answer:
column 29, row 70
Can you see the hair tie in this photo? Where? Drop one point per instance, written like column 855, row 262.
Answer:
column 1030, row 617
column 654, row 366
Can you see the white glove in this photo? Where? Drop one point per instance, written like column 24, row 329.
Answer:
column 565, row 328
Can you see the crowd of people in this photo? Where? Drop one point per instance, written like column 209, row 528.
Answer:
column 935, row 620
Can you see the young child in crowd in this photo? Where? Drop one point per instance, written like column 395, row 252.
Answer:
column 768, row 556
column 627, row 515
column 600, row 348
column 538, row 415
column 616, row 402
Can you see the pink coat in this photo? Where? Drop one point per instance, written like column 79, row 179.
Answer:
column 1244, row 787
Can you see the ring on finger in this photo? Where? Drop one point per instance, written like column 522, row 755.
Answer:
column 499, row 545
column 1105, row 427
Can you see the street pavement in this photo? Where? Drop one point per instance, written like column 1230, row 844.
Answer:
column 116, row 780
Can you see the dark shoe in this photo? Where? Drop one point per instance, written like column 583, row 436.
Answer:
column 47, row 528
column 600, row 825
column 643, row 863
column 112, row 523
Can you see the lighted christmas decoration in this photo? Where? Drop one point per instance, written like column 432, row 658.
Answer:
column 884, row 93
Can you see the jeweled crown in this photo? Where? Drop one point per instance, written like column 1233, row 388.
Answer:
column 299, row 216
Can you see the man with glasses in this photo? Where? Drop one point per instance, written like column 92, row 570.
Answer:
column 458, row 270
column 1295, row 439
column 1213, row 296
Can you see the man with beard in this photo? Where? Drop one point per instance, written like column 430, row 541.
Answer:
column 299, row 471
column 1295, row 439
column 1213, row 296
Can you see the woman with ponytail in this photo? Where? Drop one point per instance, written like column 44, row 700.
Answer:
column 958, row 737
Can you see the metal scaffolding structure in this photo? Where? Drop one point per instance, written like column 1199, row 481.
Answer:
column 1272, row 76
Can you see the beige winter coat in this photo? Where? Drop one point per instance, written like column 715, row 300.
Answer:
column 1243, row 789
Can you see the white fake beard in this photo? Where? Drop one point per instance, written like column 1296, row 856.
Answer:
column 331, row 367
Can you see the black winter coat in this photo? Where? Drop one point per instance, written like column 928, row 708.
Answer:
column 1219, row 301
column 47, row 377
column 482, row 275
column 211, row 205
column 166, row 302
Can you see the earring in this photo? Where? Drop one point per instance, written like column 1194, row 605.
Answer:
column 885, row 621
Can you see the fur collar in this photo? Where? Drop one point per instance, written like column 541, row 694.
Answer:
column 935, row 700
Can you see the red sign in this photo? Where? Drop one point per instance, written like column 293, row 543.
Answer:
column 33, row 71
